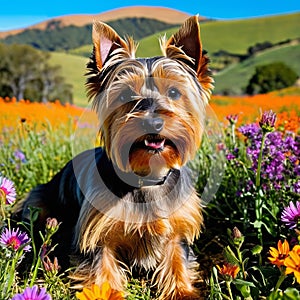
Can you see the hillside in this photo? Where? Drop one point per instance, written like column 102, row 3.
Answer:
column 162, row 14
column 58, row 37
column 235, row 36
column 234, row 78
column 73, row 68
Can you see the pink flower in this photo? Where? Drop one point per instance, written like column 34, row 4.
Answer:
column 33, row 294
column 7, row 190
column 14, row 239
column 291, row 215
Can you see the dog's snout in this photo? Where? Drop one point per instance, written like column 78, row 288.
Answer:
column 153, row 124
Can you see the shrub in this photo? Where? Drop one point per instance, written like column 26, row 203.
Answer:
column 271, row 77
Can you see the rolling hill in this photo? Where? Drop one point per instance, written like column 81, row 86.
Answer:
column 73, row 68
column 234, row 79
column 57, row 37
column 235, row 36
column 163, row 14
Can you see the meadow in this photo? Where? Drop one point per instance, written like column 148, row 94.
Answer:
column 250, row 245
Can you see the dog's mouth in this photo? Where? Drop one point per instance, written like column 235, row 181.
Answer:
column 155, row 144
column 152, row 143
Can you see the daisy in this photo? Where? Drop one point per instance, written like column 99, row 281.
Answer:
column 97, row 293
column 291, row 215
column 33, row 294
column 279, row 255
column 7, row 190
column 14, row 239
column 292, row 263
column 229, row 270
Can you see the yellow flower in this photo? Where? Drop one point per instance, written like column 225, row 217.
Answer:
column 279, row 255
column 229, row 270
column 292, row 263
column 97, row 293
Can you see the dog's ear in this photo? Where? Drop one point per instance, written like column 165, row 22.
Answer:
column 185, row 45
column 105, row 41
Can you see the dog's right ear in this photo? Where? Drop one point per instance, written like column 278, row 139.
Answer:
column 105, row 41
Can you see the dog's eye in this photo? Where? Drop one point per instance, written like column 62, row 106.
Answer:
column 126, row 95
column 174, row 93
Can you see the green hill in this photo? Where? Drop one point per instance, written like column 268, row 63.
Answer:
column 234, row 78
column 57, row 37
column 231, row 36
column 73, row 70
column 235, row 36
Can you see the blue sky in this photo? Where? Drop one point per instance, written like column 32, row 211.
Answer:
column 17, row 14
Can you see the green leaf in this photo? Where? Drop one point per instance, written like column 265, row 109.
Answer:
column 230, row 256
column 242, row 282
column 256, row 249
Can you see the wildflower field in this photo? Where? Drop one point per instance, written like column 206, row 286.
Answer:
column 250, row 245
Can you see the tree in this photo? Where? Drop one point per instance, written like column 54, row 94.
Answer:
column 25, row 73
column 271, row 77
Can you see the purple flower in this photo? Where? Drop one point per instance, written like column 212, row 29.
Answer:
column 7, row 190
column 14, row 239
column 19, row 155
column 291, row 215
column 33, row 294
column 230, row 156
column 267, row 121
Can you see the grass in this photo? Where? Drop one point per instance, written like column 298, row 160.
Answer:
column 234, row 78
column 73, row 70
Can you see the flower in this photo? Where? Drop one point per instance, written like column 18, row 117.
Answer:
column 15, row 239
column 32, row 293
column 7, row 190
column 52, row 225
column 229, row 271
column 97, row 293
column 19, row 155
column 267, row 121
column 292, row 263
column 291, row 215
column 50, row 267
column 232, row 118
column 279, row 255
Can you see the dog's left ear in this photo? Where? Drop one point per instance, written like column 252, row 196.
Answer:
column 187, row 42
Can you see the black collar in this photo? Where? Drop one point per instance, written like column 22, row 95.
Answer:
column 139, row 181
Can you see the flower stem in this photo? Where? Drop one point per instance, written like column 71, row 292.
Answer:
column 229, row 289
column 280, row 280
column 233, row 134
column 12, row 270
column 259, row 162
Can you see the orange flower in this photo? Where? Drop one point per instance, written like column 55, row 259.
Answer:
column 229, row 270
column 292, row 263
column 279, row 255
column 97, row 293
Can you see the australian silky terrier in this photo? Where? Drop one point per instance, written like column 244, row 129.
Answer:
column 130, row 205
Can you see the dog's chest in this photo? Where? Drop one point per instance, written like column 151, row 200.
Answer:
column 143, row 249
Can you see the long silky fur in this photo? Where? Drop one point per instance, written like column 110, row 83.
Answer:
column 113, row 227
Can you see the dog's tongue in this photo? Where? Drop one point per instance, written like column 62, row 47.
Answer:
column 155, row 144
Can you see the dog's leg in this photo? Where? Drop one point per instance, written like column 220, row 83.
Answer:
column 103, row 267
column 174, row 275
column 110, row 270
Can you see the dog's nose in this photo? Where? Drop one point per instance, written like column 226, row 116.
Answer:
column 153, row 124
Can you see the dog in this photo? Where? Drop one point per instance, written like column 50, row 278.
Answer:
column 130, row 204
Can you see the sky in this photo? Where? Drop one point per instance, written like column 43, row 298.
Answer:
column 16, row 14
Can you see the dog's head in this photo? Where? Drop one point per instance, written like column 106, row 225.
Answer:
column 151, row 110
